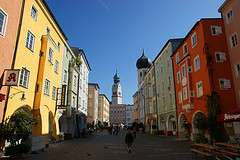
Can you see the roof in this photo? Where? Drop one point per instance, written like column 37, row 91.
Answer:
column 223, row 5
column 77, row 51
column 104, row 96
column 94, row 84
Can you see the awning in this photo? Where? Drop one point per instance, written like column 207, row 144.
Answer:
column 233, row 115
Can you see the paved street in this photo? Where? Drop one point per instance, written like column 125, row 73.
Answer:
column 103, row 146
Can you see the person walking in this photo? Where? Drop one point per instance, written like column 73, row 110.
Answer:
column 129, row 141
column 134, row 132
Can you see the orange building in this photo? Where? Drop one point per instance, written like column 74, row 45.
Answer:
column 201, row 66
column 9, row 22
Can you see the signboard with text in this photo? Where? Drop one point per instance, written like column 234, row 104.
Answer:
column 63, row 93
column 11, row 78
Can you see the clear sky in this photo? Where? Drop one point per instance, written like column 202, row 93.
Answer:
column 112, row 33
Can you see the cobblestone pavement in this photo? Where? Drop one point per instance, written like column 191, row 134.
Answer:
column 103, row 146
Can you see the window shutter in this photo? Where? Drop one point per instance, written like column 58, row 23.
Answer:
column 227, row 83
column 223, row 56
column 219, row 30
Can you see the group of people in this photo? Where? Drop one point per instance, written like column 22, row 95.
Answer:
column 113, row 130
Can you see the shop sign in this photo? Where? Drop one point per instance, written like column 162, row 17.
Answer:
column 63, row 106
column 2, row 97
column 228, row 117
column 11, row 77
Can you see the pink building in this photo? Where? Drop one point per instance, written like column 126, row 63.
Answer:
column 230, row 11
column 9, row 24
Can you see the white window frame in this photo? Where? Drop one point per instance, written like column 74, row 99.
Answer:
column 184, row 51
column 178, row 77
column 54, row 91
column 168, row 63
column 236, row 69
column 224, row 84
column 234, row 37
column 35, row 15
column 4, row 22
column 65, row 75
column 180, row 97
column 177, row 58
column 74, row 80
column 161, row 69
column 28, row 40
column 199, row 94
column 194, row 39
column 196, row 66
column 216, row 30
column 231, row 18
column 46, row 87
column 56, row 67
column 24, row 77
column 50, row 55
column 185, row 93
column 183, row 71
column 222, row 56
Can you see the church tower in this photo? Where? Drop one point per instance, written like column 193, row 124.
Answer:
column 116, row 90
column 143, row 65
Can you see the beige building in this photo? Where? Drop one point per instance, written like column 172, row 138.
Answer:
column 118, row 114
column 92, row 115
column 103, row 109
column 230, row 11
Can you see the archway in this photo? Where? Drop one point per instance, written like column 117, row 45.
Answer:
column 171, row 126
column 181, row 129
column 197, row 115
column 161, row 125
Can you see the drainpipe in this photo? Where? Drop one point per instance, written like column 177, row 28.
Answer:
column 14, row 57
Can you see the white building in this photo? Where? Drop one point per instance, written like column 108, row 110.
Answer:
column 116, row 91
column 129, row 115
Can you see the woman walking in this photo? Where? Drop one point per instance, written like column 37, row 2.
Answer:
column 129, row 141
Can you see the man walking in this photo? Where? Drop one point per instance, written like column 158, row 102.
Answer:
column 129, row 141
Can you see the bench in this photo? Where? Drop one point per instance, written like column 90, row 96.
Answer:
column 200, row 152
column 228, row 152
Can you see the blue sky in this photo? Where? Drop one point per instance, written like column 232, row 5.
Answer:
column 112, row 33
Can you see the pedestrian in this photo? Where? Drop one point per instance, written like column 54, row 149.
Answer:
column 134, row 132
column 113, row 130
column 129, row 141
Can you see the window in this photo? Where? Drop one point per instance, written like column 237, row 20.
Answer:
column 46, row 87
column 59, row 45
column 65, row 75
column 168, row 63
column 194, row 39
column 191, row 93
column 199, row 88
column 183, row 70
column 30, row 40
column 170, row 98
column 162, row 85
column 177, row 57
column 180, row 97
column 185, row 93
column 48, row 31
column 169, row 80
column 189, row 69
column 50, row 55
column 73, row 101
column 196, row 63
column 178, row 77
column 229, row 16
column 75, row 80
column 185, row 49
column 224, row 84
column 34, row 13
column 216, row 30
column 3, row 22
column 54, row 93
column 234, row 40
column 163, row 101
column 220, row 57
column 161, row 68
column 237, row 69
column 24, row 77
column 56, row 66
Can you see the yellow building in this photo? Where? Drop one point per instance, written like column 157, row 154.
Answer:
column 103, row 109
column 39, row 58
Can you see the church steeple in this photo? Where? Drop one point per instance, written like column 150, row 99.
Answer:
column 116, row 78
column 116, row 90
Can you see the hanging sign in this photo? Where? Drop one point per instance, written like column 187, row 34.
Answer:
column 62, row 105
column 11, row 78
column 2, row 97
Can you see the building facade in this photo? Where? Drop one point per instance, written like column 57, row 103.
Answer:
column 129, row 115
column 103, row 109
column 165, row 91
column 93, row 94
column 136, row 107
column 118, row 114
column 10, row 12
column 116, row 90
column 230, row 13
column 202, row 67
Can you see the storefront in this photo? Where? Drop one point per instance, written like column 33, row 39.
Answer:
column 231, row 122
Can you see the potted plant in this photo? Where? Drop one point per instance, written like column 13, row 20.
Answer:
column 16, row 130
